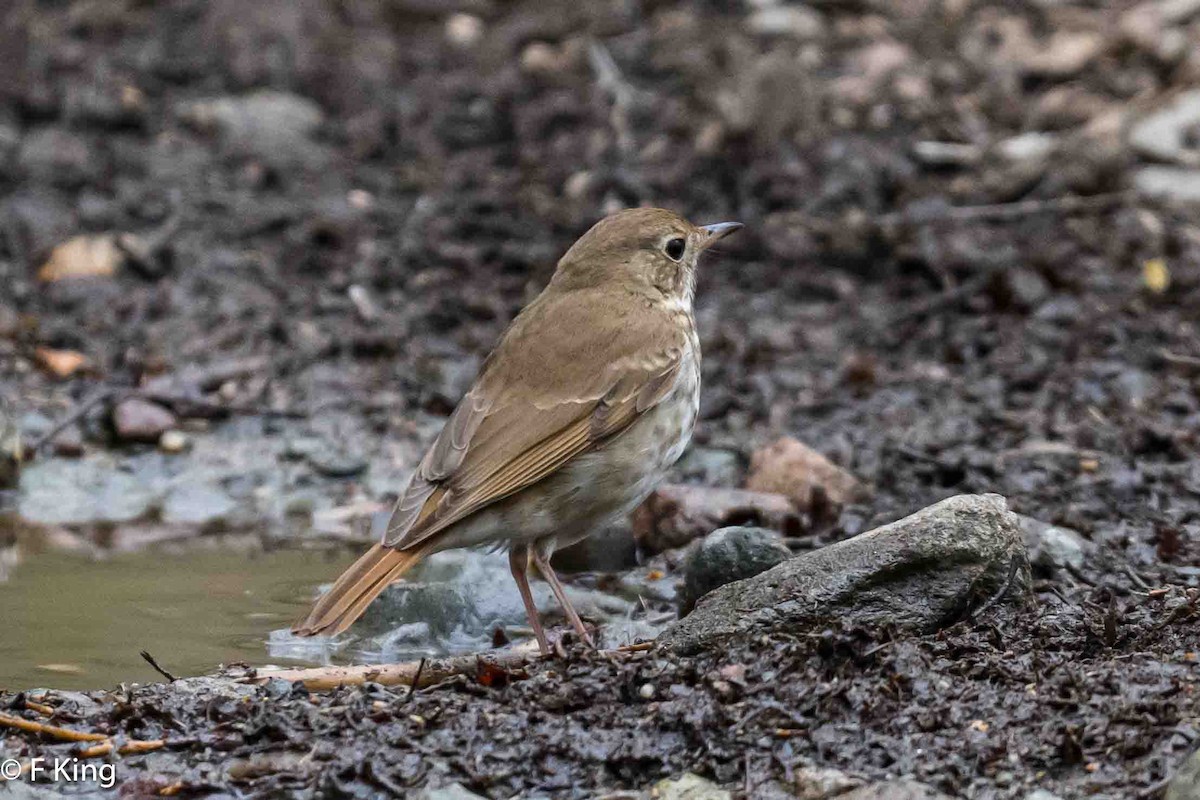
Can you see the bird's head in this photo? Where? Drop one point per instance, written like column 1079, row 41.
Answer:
column 643, row 249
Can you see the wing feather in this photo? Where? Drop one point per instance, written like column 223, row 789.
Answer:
column 508, row 435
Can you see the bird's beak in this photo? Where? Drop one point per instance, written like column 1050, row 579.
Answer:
column 717, row 231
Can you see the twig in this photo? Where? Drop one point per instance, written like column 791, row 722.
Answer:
column 40, row 708
column 1005, row 211
column 1013, row 565
column 75, row 414
column 129, row 748
column 184, row 404
column 412, row 687
column 953, row 295
column 1179, row 359
column 53, row 731
column 610, row 80
column 150, row 660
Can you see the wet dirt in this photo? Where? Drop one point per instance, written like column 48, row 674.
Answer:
column 366, row 232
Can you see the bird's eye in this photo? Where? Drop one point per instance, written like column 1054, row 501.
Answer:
column 675, row 249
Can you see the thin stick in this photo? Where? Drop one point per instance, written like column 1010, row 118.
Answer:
column 76, row 414
column 1006, row 211
column 40, row 708
column 412, row 687
column 129, row 748
column 53, row 731
column 150, row 660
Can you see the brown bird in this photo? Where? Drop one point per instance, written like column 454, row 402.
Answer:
column 587, row 400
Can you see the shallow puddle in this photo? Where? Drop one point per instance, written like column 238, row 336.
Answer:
column 73, row 622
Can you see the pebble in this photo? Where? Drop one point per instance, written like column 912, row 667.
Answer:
column 689, row 786
column 728, row 555
column 173, row 441
column 137, row 420
column 464, row 30
column 798, row 22
column 1167, row 134
column 1168, row 183
column 453, row 791
column 197, row 504
column 57, row 156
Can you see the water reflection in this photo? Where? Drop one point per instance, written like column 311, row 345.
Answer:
column 77, row 620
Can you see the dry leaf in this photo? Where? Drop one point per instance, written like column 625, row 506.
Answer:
column 61, row 363
column 82, row 257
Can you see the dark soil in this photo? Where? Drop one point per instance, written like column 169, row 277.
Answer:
column 932, row 352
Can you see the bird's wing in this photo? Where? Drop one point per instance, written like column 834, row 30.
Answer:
column 539, row 402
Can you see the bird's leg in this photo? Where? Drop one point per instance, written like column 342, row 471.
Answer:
column 518, row 562
column 543, row 565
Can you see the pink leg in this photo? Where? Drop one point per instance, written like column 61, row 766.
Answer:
column 543, row 565
column 518, row 562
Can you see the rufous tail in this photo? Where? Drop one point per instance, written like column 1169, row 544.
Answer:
column 362, row 582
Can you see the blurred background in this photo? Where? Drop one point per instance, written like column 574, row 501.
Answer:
column 251, row 254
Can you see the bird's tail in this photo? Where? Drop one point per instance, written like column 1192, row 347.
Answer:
column 354, row 590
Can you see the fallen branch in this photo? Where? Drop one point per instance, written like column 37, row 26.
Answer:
column 410, row 673
column 418, row 674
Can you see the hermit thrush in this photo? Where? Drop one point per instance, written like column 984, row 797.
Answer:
column 587, row 400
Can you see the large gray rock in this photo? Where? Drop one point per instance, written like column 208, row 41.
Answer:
column 728, row 555
column 1186, row 783
column 917, row 573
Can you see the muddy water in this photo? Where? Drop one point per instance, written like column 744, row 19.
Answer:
column 74, row 622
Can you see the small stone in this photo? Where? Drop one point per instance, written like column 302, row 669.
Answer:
column 1032, row 146
column 820, row 783
column 336, row 463
column 1168, row 134
column 197, row 504
column 539, row 58
column 173, row 441
column 689, row 786
column 728, row 555
column 276, row 127
column 1169, row 183
column 453, row 791
column 796, row 471
column 82, row 257
column 646, row 692
column 578, row 185
column 277, row 688
column 68, row 443
column 1042, row 794
column 137, row 420
column 56, row 155
column 464, row 30
column 798, row 22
